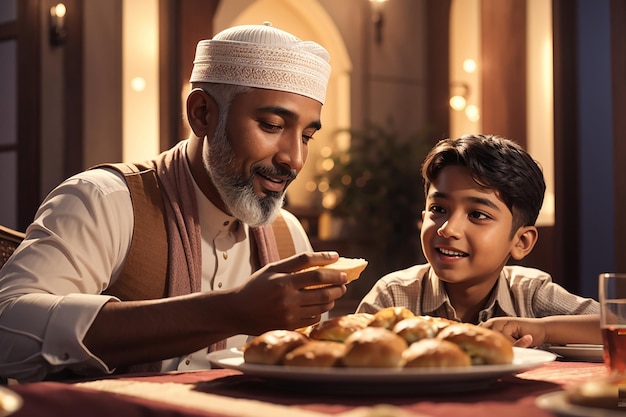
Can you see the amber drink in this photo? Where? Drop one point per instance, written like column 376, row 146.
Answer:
column 612, row 296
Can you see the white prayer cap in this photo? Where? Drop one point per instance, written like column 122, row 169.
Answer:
column 262, row 56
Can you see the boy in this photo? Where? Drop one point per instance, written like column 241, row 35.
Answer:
column 483, row 196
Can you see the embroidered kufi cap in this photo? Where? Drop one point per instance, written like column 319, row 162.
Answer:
column 263, row 56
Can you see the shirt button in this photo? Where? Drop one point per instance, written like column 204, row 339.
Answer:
column 219, row 285
column 225, row 255
column 187, row 361
column 226, row 223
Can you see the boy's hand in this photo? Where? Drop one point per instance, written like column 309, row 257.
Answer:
column 521, row 332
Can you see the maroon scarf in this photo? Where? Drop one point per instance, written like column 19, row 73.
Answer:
column 183, row 227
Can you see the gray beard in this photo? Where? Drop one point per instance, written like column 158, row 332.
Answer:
column 237, row 191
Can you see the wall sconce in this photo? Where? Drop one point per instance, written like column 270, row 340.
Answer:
column 57, row 24
column 459, row 96
column 377, row 19
column 459, row 93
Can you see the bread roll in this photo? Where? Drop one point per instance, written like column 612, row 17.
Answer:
column 388, row 317
column 484, row 346
column 435, row 353
column 415, row 328
column 318, row 353
column 271, row 347
column 339, row 328
column 353, row 267
column 439, row 322
column 374, row 347
column 602, row 393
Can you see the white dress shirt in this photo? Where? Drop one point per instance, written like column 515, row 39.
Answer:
column 50, row 289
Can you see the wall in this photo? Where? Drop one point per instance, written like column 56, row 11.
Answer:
column 8, row 116
column 393, row 72
column 596, row 223
column 52, row 104
column 140, row 79
column 102, row 82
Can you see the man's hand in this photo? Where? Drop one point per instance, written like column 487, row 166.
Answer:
column 277, row 296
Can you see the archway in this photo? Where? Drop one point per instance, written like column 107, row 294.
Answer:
column 306, row 19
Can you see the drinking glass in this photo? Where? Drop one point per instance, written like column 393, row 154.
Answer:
column 612, row 297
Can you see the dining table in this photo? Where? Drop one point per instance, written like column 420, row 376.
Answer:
column 224, row 392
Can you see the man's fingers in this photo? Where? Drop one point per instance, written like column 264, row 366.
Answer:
column 302, row 261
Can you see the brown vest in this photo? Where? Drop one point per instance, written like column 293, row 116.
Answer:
column 147, row 256
column 145, row 272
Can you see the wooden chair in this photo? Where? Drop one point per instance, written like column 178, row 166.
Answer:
column 9, row 241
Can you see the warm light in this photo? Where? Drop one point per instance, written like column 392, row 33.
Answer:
column 59, row 10
column 328, row 164
column 138, row 84
column 378, row 19
column 472, row 113
column 469, row 65
column 310, row 186
column 57, row 24
column 323, row 186
column 457, row 102
column 329, row 201
column 326, row 152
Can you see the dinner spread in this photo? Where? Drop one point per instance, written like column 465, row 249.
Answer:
column 391, row 338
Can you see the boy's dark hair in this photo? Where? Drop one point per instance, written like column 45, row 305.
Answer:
column 495, row 163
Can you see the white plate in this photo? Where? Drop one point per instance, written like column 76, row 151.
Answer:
column 579, row 352
column 10, row 402
column 557, row 403
column 430, row 380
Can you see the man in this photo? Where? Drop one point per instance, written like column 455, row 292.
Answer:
column 255, row 103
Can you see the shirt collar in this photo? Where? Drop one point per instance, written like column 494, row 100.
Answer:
column 501, row 298
column 435, row 299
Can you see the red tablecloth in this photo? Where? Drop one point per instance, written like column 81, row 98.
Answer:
column 511, row 396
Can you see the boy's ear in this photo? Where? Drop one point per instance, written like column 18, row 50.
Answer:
column 524, row 242
column 202, row 113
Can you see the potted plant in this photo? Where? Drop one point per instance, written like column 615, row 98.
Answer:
column 378, row 191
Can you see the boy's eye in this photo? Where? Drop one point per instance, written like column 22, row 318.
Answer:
column 478, row 215
column 437, row 209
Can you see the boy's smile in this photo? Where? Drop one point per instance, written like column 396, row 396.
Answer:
column 466, row 232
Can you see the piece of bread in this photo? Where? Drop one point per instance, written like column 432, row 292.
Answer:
column 435, row 353
column 374, row 347
column 317, row 353
column 339, row 328
column 415, row 328
column 353, row 267
column 602, row 393
column 271, row 347
column 484, row 346
column 440, row 322
column 388, row 317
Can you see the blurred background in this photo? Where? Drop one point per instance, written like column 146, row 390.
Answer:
column 84, row 82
